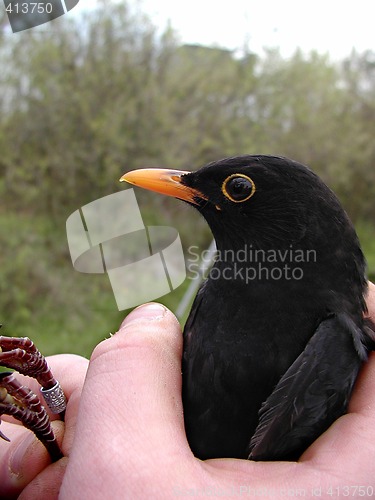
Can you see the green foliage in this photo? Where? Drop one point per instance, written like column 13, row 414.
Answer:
column 106, row 93
column 365, row 231
column 42, row 297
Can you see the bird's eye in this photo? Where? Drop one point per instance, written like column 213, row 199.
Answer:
column 238, row 187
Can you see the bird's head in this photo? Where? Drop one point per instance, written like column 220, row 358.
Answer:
column 266, row 201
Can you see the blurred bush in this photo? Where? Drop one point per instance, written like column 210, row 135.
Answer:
column 106, row 93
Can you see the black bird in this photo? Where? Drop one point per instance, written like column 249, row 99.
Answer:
column 276, row 336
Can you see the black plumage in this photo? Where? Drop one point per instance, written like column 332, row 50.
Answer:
column 276, row 336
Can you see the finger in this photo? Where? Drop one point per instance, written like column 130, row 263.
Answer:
column 70, row 370
column 355, row 430
column 47, row 484
column 352, row 434
column 131, row 403
column 370, row 300
column 23, row 459
column 363, row 397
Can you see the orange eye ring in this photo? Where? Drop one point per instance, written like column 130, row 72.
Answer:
column 246, row 185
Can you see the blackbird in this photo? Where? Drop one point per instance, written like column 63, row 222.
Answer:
column 276, row 336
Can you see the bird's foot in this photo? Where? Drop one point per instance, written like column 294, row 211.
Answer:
column 19, row 401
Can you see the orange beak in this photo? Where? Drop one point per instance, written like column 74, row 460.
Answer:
column 163, row 181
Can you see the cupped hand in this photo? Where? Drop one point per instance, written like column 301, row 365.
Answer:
column 129, row 439
column 25, row 466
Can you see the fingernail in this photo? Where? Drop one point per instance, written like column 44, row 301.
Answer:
column 17, row 459
column 149, row 312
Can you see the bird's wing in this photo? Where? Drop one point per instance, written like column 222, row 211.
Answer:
column 312, row 393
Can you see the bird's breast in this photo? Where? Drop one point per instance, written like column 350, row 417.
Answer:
column 237, row 345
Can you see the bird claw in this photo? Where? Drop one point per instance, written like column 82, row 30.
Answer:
column 19, row 401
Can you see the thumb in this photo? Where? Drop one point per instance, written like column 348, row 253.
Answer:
column 131, row 411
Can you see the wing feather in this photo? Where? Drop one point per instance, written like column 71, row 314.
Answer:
column 312, row 393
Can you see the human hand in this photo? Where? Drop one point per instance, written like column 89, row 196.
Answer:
column 25, row 465
column 130, row 440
